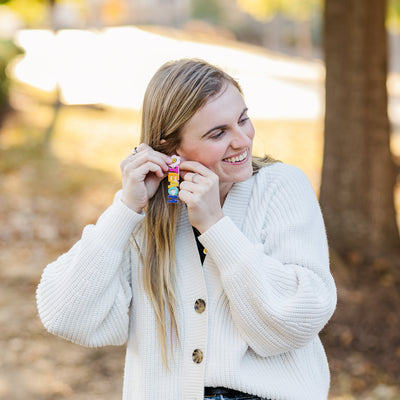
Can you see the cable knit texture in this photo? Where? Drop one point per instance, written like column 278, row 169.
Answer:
column 265, row 282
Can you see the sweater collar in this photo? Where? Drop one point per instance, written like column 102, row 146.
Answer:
column 237, row 201
column 235, row 207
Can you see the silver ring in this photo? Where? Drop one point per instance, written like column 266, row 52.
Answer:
column 194, row 176
column 134, row 151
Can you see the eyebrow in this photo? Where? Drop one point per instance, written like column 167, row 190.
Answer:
column 223, row 126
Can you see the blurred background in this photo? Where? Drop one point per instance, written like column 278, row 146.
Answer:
column 322, row 83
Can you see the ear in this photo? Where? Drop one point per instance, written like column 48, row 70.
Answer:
column 162, row 141
column 178, row 152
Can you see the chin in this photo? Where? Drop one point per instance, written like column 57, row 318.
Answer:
column 240, row 173
column 247, row 171
column 243, row 175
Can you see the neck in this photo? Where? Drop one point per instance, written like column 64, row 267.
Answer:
column 223, row 191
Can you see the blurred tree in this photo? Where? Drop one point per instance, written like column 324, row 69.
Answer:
column 394, row 15
column 359, row 174
column 31, row 11
column 266, row 9
column 37, row 13
column 393, row 25
column 301, row 12
column 49, row 132
column 8, row 50
column 259, row 9
column 208, row 10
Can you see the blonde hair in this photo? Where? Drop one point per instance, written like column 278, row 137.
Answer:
column 175, row 93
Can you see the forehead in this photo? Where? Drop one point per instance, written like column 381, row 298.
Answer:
column 222, row 109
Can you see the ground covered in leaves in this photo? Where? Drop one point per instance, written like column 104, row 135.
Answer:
column 48, row 194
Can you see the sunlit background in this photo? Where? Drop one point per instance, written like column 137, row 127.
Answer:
column 103, row 52
column 112, row 67
column 76, row 85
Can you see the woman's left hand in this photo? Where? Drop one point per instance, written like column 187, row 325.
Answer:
column 199, row 190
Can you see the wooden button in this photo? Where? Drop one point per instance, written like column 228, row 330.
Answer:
column 200, row 305
column 197, row 356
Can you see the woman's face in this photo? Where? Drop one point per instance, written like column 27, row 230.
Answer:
column 220, row 136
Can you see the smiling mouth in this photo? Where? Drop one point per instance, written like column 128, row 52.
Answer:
column 237, row 159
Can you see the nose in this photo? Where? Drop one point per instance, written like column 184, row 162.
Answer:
column 241, row 138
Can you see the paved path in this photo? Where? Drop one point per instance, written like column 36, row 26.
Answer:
column 114, row 65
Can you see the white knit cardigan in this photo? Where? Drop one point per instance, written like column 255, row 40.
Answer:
column 265, row 282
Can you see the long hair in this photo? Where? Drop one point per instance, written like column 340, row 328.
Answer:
column 175, row 93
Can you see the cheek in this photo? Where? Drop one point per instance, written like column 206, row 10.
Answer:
column 212, row 155
column 204, row 154
column 220, row 149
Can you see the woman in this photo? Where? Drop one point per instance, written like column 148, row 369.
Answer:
column 242, row 320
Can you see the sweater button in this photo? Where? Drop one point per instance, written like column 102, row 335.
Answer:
column 200, row 305
column 197, row 356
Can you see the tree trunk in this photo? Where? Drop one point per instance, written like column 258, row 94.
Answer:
column 358, row 177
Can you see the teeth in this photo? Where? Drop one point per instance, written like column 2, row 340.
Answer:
column 241, row 157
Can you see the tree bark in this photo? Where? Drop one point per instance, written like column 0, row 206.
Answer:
column 358, row 177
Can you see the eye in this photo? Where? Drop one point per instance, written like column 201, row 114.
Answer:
column 217, row 135
column 243, row 120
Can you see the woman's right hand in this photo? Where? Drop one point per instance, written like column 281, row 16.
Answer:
column 141, row 175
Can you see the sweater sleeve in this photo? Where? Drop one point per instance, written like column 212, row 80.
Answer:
column 280, row 290
column 84, row 296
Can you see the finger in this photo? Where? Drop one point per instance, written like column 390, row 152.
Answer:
column 149, row 154
column 140, row 173
column 141, row 147
column 130, row 157
column 188, row 186
column 156, row 169
column 146, row 154
column 136, row 149
column 185, row 196
column 195, row 167
column 192, row 177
